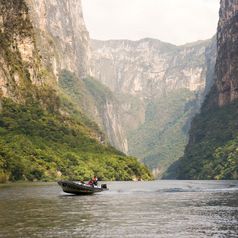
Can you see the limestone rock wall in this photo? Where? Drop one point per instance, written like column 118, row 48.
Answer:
column 41, row 38
column 62, row 36
column 148, row 67
column 227, row 60
column 19, row 57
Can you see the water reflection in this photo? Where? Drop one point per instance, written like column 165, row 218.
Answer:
column 143, row 209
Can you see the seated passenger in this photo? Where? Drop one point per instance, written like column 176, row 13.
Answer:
column 93, row 181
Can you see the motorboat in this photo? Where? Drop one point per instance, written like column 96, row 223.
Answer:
column 80, row 188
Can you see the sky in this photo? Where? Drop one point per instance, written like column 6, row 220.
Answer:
column 173, row 21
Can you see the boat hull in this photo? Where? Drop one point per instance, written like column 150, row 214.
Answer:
column 79, row 188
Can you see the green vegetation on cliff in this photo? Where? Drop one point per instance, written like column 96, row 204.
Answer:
column 88, row 95
column 88, row 92
column 212, row 152
column 44, row 131
column 161, row 139
column 37, row 144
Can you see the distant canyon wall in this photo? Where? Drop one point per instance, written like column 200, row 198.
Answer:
column 149, row 68
column 142, row 73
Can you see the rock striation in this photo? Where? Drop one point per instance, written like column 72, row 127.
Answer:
column 227, row 59
column 19, row 58
column 52, row 35
column 149, row 67
column 61, row 34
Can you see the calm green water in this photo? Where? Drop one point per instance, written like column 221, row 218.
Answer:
column 130, row 209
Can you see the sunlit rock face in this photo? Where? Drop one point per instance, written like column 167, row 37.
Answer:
column 45, row 37
column 148, row 67
column 227, row 60
column 61, row 33
column 144, row 75
column 113, row 126
column 19, row 58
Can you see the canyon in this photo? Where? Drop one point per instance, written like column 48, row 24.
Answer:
column 159, row 87
column 172, row 107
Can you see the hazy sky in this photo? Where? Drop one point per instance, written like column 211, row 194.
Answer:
column 174, row 21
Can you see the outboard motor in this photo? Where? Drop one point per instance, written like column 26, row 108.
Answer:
column 104, row 186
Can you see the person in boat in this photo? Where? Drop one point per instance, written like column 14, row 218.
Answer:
column 93, row 181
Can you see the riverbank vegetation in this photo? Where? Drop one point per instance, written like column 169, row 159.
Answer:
column 42, row 145
column 213, row 150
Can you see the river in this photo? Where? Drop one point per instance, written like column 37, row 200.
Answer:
column 163, row 209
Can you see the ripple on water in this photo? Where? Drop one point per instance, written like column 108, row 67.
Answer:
column 180, row 209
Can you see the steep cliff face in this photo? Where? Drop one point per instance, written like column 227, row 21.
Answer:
column 148, row 67
column 212, row 149
column 211, row 56
column 111, row 120
column 19, row 59
column 61, row 32
column 63, row 42
column 46, row 37
column 159, row 88
column 44, row 130
column 227, row 61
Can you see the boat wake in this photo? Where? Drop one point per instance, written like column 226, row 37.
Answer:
column 190, row 190
column 175, row 190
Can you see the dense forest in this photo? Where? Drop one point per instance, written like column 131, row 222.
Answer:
column 41, row 144
column 212, row 152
